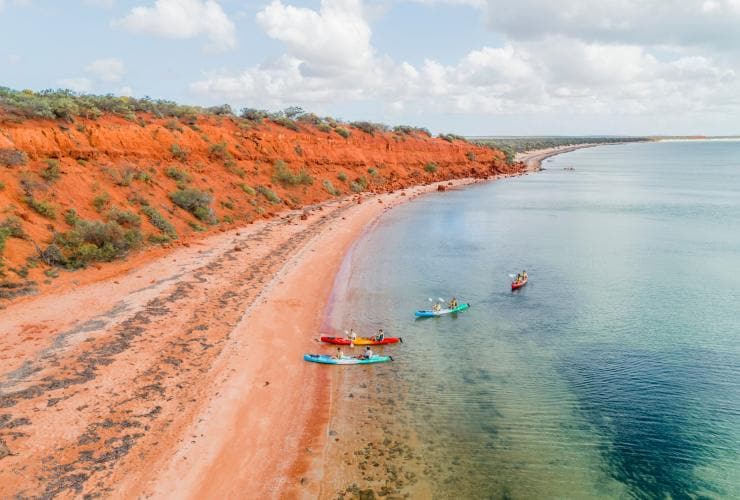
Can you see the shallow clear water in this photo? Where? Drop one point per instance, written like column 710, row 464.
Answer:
column 615, row 372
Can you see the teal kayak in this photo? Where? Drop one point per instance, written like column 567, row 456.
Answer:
column 442, row 312
column 331, row 360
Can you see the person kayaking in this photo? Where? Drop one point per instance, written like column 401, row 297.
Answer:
column 380, row 336
column 436, row 307
column 368, row 353
column 453, row 303
column 524, row 274
column 339, row 354
column 352, row 336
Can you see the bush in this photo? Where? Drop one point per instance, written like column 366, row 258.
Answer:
column 51, row 172
column 2, row 185
column 431, row 167
column 283, row 175
column 221, row 151
column 71, row 217
column 323, row 127
column 367, row 127
column 342, row 176
column 330, row 188
column 254, row 115
column 247, row 189
column 158, row 221
column 343, row 132
column 42, row 207
column 269, row 194
column 470, row 156
column 372, row 172
column 124, row 217
column 358, row 185
column 122, row 176
column 101, row 201
column 196, row 202
column 12, row 157
column 173, row 125
column 178, row 152
column 92, row 241
column 284, row 121
column 177, row 174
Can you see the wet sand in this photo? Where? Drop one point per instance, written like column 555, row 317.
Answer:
column 183, row 376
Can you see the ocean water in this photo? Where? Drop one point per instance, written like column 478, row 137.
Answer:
column 614, row 373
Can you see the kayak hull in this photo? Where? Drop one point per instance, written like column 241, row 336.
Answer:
column 442, row 312
column 360, row 341
column 517, row 285
column 330, row 360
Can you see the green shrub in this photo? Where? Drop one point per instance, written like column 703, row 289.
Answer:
column 342, row 176
column 122, row 176
column 269, row 194
column 173, row 125
column 158, row 239
column 221, row 152
column 101, row 201
column 71, row 217
column 431, row 167
column 372, row 172
column 51, row 172
column 12, row 157
column 42, row 207
column 286, row 122
column 177, row 174
column 12, row 227
column 2, row 185
column 470, row 156
column 283, row 175
column 367, row 127
column 342, row 131
column 255, row 115
column 195, row 226
column 4, row 235
column 178, row 152
column 92, row 241
column 228, row 204
column 196, row 202
column 330, row 188
column 124, row 217
column 159, row 221
column 323, row 127
column 358, row 185
column 247, row 189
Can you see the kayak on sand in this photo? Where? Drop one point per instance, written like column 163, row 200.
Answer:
column 441, row 312
column 331, row 360
column 518, row 283
column 361, row 340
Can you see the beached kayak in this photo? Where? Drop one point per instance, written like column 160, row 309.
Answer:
column 441, row 312
column 518, row 284
column 331, row 360
column 361, row 340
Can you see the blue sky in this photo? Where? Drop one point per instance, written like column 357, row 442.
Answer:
column 478, row 67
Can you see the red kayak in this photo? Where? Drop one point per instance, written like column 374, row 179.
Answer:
column 518, row 284
column 361, row 340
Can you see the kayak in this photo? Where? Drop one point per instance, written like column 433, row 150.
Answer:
column 361, row 340
column 441, row 312
column 331, row 360
column 518, row 284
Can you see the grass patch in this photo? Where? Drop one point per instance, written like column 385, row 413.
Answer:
column 42, row 207
column 101, row 201
column 124, row 218
column 177, row 174
column 431, row 167
column 51, row 173
column 196, row 202
column 93, row 241
column 71, row 217
column 178, row 152
column 248, row 189
column 284, row 176
column 330, row 188
column 160, row 222
column 343, row 132
column 342, row 176
column 12, row 157
column 358, row 185
column 269, row 194
column 373, row 172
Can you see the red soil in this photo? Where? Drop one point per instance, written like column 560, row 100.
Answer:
column 95, row 156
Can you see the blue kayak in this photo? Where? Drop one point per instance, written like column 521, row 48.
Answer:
column 348, row 360
column 441, row 312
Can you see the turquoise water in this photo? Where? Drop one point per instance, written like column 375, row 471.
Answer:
column 614, row 373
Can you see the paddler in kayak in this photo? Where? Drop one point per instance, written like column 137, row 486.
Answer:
column 339, row 354
column 367, row 354
column 352, row 336
column 436, row 307
column 380, row 336
column 453, row 303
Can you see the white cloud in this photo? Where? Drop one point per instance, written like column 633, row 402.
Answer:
column 76, row 84
column 330, row 59
column 106, row 70
column 181, row 19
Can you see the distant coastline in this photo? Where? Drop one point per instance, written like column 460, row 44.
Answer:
column 533, row 159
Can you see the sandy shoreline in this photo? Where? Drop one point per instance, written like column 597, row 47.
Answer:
column 150, row 387
column 533, row 159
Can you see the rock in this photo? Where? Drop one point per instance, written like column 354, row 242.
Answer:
column 237, row 249
column 304, row 216
column 441, row 188
column 367, row 495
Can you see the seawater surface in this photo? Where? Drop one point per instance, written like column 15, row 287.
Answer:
column 614, row 373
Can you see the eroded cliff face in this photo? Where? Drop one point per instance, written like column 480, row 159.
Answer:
column 55, row 173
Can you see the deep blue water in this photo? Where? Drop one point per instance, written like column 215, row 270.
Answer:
column 615, row 372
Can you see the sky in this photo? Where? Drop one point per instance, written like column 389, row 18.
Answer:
column 472, row 67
